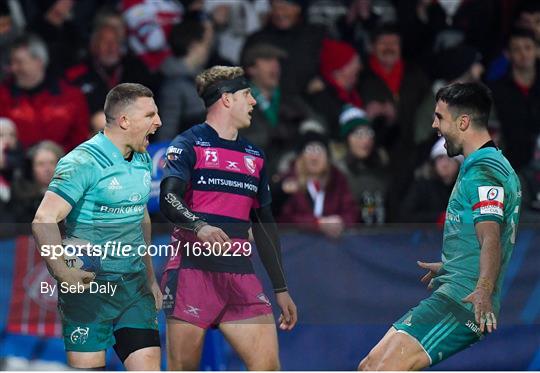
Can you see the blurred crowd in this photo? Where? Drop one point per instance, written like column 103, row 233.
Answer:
column 344, row 88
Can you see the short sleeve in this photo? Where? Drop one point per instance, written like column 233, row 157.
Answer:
column 486, row 196
column 73, row 176
column 180, row 160
column 264, row 197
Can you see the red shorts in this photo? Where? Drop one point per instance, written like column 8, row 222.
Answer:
column 205, row 298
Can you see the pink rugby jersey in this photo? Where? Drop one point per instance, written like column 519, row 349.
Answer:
column 226, row 179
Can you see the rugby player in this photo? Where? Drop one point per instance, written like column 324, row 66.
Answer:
column 214, row 189
column 479, row 236
column 101, row 189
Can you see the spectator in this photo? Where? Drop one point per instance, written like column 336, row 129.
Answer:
column 9, row 30
column 360, row 21
column 319, row 197
column 517, row 99
column 41, row 105
column 302, row 42
column 106, row 66
column 276, row 118
column 431, row 26
column 233, row 21
column 456, row 64
column 428, row 196
column 391, row 82
column 326, row 13
column 179, row 104
column 531, row 188
column 111, row 17
column 365, row 165
column 527, row 17
column 394, row 88
column 55, row 23
column 29, row 191
column 97, row 122
column 149, row 23
column 11, row 160
column 339, row 67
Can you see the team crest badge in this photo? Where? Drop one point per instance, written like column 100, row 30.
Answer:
column 79, row 335
column 249, row 161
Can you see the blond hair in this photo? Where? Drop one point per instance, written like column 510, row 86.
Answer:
column 302, row 175
column 216, row 74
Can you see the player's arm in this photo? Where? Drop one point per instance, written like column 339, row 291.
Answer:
column 488, row 233
column 173, row 206
column 150, row 274
column 50, row 212
column 266, row 238
column 486, row 195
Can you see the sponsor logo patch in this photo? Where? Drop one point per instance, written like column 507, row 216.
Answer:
column 232, row 166
column 193, row 311
column 211, row 158
column 252, row 151
column 168, row 298
column 200, row 142
column 114, row 184
column 491, row 200
column 173, row 153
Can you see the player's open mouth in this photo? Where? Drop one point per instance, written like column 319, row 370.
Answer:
column 147, row 137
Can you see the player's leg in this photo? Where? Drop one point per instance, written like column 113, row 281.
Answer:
column 396, row 351
column 86, row 360
column 87, row 329
column 434, row 330
column 248, row 323
column 191, row 304
column 136, row 330
column 255, row 341
column 138, row 349
column 148, row 358
column 184, row 345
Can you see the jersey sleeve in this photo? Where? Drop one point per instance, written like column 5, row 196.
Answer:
column 486, row 197
column 73, row 176
column 264, row 197
column 180, row 159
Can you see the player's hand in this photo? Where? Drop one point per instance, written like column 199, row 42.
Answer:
column 156, row 292
column 289, row 315
column 332, row 226
column 74, row 276
column 483, row 309
column 212, row 234
column 433, row 269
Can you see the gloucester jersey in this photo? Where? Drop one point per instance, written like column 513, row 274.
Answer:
column 226, row 179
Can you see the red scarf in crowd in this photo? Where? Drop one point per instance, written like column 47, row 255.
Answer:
column 351, row 97
column 392, row 78
column 335, row 55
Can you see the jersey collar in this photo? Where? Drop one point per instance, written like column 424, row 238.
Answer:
column 479, row 153
column 110, row 149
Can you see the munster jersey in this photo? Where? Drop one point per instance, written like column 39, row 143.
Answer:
column 108, row 195
column 226, row 179
column 487, row 188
